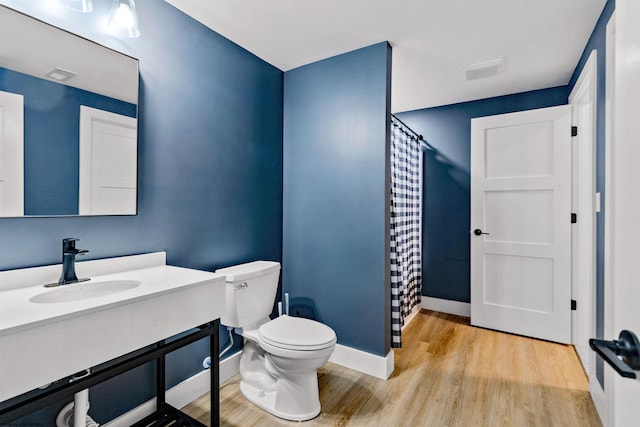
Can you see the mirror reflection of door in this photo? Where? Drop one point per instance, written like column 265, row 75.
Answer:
column 108, row 163
column 11, row 154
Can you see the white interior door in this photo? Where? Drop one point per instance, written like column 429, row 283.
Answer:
column 11, row 154
column 521, row 200
column 622, row 257
column 108, row 163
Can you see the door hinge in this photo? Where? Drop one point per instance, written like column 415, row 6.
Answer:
column 574, row 218
column 574, row 130
column 574, row 305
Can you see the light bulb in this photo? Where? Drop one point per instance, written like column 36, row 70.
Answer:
column 124, row 20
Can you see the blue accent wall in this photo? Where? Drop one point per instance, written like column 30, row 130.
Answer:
column 51, row 139
column 335, row 152
column 210, row 171
column 446, row 188
column 598, row 42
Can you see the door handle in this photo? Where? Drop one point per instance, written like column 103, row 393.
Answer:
column 479, row 232
column 627, row 346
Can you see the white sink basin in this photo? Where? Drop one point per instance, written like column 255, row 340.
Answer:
column 84, row 290
column 130, row 302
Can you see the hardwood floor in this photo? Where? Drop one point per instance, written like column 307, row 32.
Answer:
column 448, row 373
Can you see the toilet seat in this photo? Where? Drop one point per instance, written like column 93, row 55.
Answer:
column 297, row 333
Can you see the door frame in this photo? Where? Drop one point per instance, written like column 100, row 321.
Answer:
column 584, row 94
column 603, row 398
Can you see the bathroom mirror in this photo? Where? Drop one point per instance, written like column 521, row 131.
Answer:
column 68, row 123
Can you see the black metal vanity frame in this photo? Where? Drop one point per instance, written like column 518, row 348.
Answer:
column 165, row 413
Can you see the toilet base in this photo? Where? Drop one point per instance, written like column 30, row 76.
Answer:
column 272, row 384
column 267, row 402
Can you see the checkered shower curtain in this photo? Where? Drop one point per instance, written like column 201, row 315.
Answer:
column 405, row 227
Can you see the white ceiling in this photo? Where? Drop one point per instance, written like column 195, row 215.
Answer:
column 433, row 40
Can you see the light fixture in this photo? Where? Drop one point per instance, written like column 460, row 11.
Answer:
column 124, row 19
column 84, row 6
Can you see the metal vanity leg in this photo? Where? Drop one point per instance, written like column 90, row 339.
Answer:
column 160, row 379
column 214, row 350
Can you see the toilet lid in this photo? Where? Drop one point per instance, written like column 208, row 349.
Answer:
column 297, row 333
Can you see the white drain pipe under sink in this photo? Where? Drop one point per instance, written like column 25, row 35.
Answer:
column 77, row 411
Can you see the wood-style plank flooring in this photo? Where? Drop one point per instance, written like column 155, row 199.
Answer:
column 448, row 373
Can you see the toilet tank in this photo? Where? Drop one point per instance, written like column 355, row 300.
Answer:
column 250, row 292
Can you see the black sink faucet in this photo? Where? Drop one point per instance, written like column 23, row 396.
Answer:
column 69, row 253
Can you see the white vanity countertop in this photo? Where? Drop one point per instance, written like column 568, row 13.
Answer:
column 18, row 313
column 77, row 334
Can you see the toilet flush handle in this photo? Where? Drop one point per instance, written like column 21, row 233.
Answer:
column 240, row 286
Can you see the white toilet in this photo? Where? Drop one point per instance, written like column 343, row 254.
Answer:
column 280, row 356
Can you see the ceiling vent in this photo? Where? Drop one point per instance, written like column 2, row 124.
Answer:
column 60, row 75
column 482, row 70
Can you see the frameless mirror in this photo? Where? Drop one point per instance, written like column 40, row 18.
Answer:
column 68, row 123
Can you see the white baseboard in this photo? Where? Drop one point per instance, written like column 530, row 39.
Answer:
column 181, row 394
column 447, row 306
column 411, row 316
column 599, row 400
column 361, row 361
column 584, row 355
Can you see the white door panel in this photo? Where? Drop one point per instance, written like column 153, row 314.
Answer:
column 519, row 216
column 11, row 154
column 521, row 197
column 532, row 155
column 533, row 275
